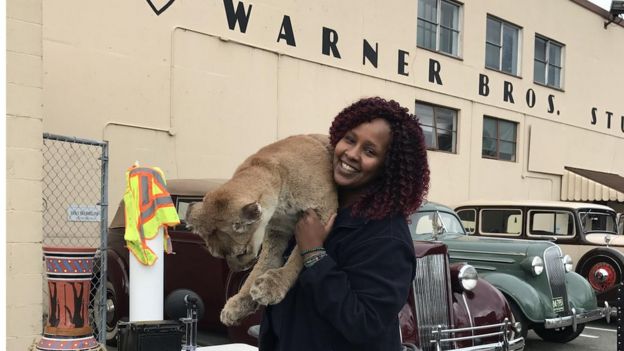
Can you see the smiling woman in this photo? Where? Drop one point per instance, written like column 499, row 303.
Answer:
column 359, row 267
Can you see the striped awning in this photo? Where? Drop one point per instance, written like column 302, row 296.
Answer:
column 580, row 184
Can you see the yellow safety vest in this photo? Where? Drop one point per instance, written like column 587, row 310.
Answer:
column 148, row 207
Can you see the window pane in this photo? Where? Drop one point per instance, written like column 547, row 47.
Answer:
column 429, row 139
column 554, row 74
column 540, row 49
column 455, row 42
column 510, row 49
column 454, row 145
column 493, row 31
column 539, row 72
column 492, row 56
column 468, row 219
column 445, row 118
column 564, row 224
column 425, row 114
column 507, row 130
column 446, row 40
column 449, row 15
column 445, row 140
column 428, row 9
column 507, row 151
column 489, row 147
column 426, row 35
column 554, row 55
column 501, row 221
column 489, row 128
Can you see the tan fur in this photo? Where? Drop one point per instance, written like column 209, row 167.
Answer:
column 260, row 206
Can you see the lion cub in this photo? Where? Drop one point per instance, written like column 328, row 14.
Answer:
column 259, row 207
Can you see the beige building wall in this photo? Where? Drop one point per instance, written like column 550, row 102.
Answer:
column 183, row 91
column 24, row 172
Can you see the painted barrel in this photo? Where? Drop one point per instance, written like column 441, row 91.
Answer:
column 68, row 272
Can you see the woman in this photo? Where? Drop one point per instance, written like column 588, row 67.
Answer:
column 359, row 267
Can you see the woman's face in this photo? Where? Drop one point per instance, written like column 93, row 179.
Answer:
column 359, row 156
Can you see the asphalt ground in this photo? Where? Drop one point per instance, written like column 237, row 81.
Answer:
column 598, row 336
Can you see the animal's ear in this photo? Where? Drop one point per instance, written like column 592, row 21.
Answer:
column 251, row 213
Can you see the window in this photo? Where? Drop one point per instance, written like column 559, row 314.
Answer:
column 422, row 223
column 547, row 67
column 439, row 126
column 503, row 221
column 501, row 46
column 468, row 218
column 499, row 139
column 551, row 223
column 438, row 26
column 182, row 204
column 597, row 221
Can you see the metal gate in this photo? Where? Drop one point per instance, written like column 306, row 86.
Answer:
column 75, row 208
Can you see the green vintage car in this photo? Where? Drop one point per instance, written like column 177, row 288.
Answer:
column 536, row 278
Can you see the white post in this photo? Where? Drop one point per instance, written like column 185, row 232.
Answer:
column 147, row 284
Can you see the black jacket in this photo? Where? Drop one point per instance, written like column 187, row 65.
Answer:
column 349, row 300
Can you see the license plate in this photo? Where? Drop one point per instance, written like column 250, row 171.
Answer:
column 557, row 304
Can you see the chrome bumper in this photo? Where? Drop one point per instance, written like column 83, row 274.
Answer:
column 579, row 318
column 512, row 345
column 502, row 332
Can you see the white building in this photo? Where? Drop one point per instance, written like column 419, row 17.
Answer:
column 509, row 93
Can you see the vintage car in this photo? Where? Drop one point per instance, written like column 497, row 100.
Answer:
column 449, row 306
column 535, row 277
column 587, row 232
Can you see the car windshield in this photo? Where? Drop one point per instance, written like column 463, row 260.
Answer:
column 423, row 223
column 182, row 205
column 597, row 221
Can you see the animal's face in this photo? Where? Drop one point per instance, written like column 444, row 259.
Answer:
column 228, row 227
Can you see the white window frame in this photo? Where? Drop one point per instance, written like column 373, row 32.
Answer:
column 438, row 25
column 547, row 63
column 518, row 56
column 530, row 220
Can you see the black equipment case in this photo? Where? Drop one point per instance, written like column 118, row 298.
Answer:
column 150, row 336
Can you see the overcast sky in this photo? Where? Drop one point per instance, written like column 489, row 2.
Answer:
column 605, row 4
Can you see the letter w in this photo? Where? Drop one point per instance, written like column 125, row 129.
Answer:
column 239, row 16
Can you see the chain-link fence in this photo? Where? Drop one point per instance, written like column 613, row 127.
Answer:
column 75, row 205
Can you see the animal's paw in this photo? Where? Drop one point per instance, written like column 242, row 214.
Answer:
column 237, row 308
column 269, row 288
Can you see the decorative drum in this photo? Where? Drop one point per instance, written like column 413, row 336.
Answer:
column 69, row 272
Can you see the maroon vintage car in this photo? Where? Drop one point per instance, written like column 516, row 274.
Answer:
column 448, row 307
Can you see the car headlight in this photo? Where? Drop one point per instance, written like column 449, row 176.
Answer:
column 537, row 265
column 468, row 277
column 567, row 263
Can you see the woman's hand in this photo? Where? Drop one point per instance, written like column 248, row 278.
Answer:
column 310, row 232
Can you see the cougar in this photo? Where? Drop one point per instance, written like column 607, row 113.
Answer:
column 253, row 215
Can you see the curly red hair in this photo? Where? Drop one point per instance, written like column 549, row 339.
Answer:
column 404, row 182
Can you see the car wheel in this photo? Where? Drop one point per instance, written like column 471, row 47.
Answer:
column 518, row 316
column 111, row 318
column 560, row 335
column 602, row 272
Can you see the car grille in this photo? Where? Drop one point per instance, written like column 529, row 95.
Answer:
column 431, row 298
column 556, row 276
